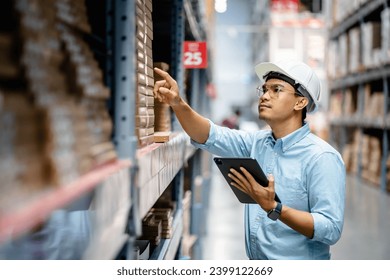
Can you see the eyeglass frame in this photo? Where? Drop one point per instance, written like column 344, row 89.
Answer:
column 300, row 90
column 260, row 91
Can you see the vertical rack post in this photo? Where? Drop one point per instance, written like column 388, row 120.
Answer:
column 204, row 103
column 109, row 43
column 385, row 138
column 197, row 210
column 178, row 74
column 124, row 83
column 123, row 63
column 385, row 154
column 177, row 48
column 194, row 98
column 361, row 107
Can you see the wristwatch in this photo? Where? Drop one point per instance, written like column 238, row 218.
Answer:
column 274, row 214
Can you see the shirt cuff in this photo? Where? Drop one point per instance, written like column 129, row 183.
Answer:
column 210, row 140
column 325, row 231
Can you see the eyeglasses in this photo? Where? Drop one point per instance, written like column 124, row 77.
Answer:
column 273, row 91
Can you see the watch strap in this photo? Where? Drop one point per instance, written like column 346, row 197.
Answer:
column 274, row 214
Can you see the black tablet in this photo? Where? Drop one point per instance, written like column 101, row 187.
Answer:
column 250, row 164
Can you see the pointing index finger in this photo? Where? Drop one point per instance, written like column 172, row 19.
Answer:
column 165, row 75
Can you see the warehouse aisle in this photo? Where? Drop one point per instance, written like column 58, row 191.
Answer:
column 366, row 228
column 225, row 223
column 367, row 224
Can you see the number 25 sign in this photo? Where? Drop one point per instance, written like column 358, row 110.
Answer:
column 195, row 54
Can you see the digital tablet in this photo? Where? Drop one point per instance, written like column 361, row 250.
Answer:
column 251, row 165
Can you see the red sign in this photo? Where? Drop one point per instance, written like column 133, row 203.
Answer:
column 284, row 5
column 195, row 54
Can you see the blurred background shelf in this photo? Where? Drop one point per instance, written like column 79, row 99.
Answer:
column 16, row 222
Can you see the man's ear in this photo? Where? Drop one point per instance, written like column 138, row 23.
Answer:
column 301, row 103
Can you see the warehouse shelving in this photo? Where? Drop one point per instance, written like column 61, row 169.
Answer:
column 357, row 73
column 368, row 8
column 168, row 248
column 117, row 195
column 35, row 211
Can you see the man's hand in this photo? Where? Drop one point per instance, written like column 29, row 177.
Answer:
column 166, row 90
column 264, row 196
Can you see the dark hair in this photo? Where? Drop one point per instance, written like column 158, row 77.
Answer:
column 304, row 111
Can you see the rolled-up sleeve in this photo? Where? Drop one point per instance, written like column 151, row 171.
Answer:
column 327, row 197
column 210, row 140
column 223, row 141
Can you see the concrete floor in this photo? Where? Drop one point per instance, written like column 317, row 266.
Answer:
column 366, row 234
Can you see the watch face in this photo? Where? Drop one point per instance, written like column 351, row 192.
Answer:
column 273, row 215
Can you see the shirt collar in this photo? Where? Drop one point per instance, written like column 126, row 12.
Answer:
column 289, row 140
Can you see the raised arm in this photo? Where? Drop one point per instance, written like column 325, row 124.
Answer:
column 167, row 91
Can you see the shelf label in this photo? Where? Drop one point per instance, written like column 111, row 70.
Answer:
column 195, row 54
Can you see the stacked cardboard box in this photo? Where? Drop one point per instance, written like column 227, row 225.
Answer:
column 85, row 82
column 73, row 13
column 371, row 159
column 368, row 54
column 363, row 47
column 349, row 103
column 351, row 153
column 343, row 9
column 371, row 36
column 63, row 83
column 153, row 179
column 332, row 65
column 158, row 221
column 156, row 225
column 385, row 38
column 145, row 117
column 22, row 166
column 41, row 58
column 165, row 216
column 354, row 50
column 336, row 104
column 373, row 103
column 188, row 239
column 162, row 110
column 9, row 68
column 369, row 148
column 151, row 229
column 343, row 55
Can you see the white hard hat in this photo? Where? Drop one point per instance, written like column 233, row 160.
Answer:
column 304, row 78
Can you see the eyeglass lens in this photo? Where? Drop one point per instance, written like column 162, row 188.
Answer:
column 273, row 90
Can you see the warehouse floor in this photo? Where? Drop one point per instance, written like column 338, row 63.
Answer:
column 365, row 235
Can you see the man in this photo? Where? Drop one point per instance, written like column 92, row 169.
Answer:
column 307, row 173
column 233, row 121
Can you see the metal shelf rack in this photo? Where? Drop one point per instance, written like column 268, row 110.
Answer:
column 378, row 77
column 119, row 194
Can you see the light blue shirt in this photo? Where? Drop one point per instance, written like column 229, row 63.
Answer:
column 309, row 176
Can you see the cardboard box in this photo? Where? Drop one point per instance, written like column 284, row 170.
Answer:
column 143, row 100
column 371, row 36
column 354, row 50
column 144, row 121
column 162, row 136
